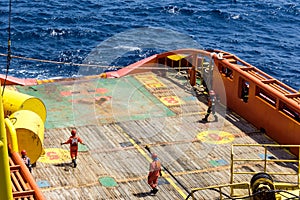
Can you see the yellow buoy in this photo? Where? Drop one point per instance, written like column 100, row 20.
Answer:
column 14, row 101
column 30, row 133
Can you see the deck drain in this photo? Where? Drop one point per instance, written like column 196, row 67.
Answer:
column 43, row 184
column 108, row 182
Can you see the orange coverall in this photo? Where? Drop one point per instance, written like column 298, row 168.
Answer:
column 73, row 141
column 154, row 173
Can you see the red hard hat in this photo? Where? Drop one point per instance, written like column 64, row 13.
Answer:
column 73, row 132
column 23, row 152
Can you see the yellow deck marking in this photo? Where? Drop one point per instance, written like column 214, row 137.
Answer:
column 150, row 81
column 171, row 100
column 150, row 160
column 215, row 137
column 55, row 156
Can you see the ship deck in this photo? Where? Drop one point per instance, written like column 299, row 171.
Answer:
column 117, row 118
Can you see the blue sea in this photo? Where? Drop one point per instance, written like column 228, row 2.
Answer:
column 264, row 33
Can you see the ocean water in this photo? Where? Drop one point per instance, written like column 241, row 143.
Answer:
column 265, row 33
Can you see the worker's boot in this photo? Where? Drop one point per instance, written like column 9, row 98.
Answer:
column 205, row 118
column 74, row 163
column 216, row 118
column 155, row 190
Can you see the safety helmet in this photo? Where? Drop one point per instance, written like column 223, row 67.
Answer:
column 73, row 132
column 154, row 155
column 23, row 152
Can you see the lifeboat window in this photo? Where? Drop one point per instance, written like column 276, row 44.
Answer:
column 227, row 72
column 289, row 111
column 265, row 96
column 244, row 90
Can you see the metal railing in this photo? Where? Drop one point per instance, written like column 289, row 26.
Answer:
column 218, row 188
column 246, row 185
column 266, row 160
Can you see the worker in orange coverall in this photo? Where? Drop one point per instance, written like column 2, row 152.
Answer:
column 73, row 141
column 154, row 173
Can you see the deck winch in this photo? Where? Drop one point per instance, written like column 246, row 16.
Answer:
column 262, row 187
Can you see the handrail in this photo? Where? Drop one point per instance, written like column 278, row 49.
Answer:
column 246, row 185
column 265, row 160
column 219, row 187
column 281, row 90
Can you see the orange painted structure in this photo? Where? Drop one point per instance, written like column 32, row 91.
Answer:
column 267, row 103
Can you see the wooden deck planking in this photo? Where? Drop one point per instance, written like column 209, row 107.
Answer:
column 115, row 165
column 117, row 150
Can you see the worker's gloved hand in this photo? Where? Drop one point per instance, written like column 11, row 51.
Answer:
column 61, row 143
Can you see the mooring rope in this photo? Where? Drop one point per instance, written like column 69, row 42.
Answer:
column 81, row 65
column 52, row 61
